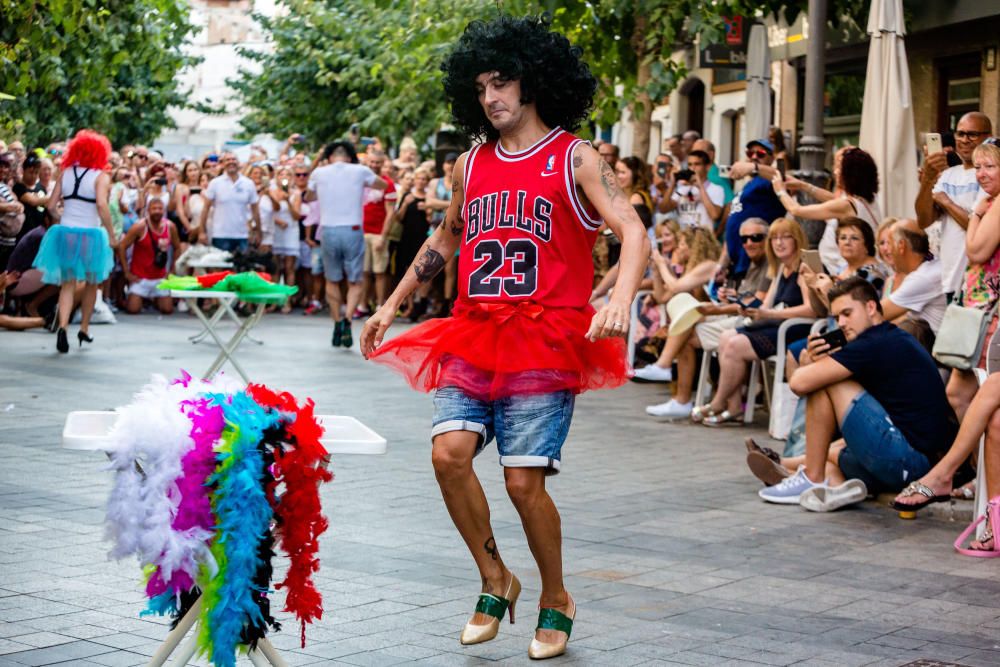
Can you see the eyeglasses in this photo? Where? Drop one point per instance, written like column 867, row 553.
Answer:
column 752, row 238
column 783, row 237
column 962, row 134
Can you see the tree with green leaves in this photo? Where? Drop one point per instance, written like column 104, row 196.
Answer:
column 110, row 65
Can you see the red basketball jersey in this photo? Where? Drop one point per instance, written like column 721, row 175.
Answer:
column 527, row 235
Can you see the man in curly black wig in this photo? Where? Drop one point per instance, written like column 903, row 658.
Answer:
column 523, row 339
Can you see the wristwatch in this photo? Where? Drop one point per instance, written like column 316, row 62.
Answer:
column 756, row 169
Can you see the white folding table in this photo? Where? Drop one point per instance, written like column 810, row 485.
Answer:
column 227, row 349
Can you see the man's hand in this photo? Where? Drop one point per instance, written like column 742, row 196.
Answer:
column 131, row 277
column 778, row 183
column 8, row 278
column 610, row 321
column 942, row 199
column 934, row 164
column 817, row 348
column 375, row 328
column 740, row 170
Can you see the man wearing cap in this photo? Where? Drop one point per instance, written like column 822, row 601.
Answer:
column 753, row 201
column 31, row 193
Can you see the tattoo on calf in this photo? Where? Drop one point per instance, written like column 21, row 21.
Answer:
column 428, row 265
column 491, row 548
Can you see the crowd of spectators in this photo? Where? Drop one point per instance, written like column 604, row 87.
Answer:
column 732, row 275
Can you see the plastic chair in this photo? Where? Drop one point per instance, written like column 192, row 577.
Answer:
column 757, row 369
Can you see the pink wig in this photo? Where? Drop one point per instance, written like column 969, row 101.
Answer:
column 88, row 149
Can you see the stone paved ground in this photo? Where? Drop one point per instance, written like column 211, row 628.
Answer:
column 670, row 555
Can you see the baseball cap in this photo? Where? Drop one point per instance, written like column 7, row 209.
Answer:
column 763, row 143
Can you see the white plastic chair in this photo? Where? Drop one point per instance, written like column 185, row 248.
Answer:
column 778, row 359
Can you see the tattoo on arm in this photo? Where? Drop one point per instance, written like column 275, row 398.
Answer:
column 455, row 226
column 428, row 265
column 577, row 161
column 491, row 548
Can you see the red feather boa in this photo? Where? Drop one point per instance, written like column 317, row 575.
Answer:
column 301, row 469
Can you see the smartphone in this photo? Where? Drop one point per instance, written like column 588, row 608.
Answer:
column 753, row 303
column 835, row 339
column 160, row 181
column 781, row 166
column 661, row 169
column 811, row 259
column 367, row 141
column 933, row 142
column 195, row 191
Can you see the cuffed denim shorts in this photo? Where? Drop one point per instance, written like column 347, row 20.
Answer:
column 876, row 451
column 343, row 253
column 530, row 429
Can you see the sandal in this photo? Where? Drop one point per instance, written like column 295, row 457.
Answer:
column 699, row 413
column 915, row 489
column 965, row 492
column 988, row 542
column 724, row 418
column 752, row 446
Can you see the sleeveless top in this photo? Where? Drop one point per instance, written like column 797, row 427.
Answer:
column 527, row 235
column 524, row 278
column 79, row 195
column 787, row 292
column 442, row 192
column 828, row 249
column 142, row 253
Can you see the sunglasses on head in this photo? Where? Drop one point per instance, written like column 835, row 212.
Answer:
column 755, row 238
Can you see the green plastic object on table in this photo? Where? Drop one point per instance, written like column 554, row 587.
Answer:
column 248, row 286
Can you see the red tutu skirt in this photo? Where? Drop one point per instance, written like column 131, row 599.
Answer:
column 495, row 350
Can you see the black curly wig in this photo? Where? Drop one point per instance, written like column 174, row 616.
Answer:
column 550, row 70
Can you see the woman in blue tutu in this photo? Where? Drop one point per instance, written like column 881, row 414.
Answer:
column 78, row 248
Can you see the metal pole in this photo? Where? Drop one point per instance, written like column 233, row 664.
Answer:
column 812, row 147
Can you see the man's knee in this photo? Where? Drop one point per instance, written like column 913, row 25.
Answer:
column 452, row 455
column 524, row 485
column 133, row 306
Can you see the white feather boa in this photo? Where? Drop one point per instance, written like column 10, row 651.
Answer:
column 154, row 432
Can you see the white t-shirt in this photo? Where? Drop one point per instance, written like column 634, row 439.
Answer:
column 961, row 186
column 231, row 203
column 922, row 295
column 266, row 208
column 340, row 189
column 691, row 212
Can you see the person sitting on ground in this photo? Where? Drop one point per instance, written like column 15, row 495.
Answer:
column 917, row 305
column 759, row 340
column 16, row 322
column 720, row 317
column 881, row 391
column 150, row 262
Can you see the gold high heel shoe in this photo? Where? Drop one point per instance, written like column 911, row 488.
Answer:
column 552, row 619
column 494, row 606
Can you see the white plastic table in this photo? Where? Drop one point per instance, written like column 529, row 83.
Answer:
column 91, row 430
column 243, row 326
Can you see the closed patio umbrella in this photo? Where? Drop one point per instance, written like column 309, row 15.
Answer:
column 758, row 110
column 887, row 115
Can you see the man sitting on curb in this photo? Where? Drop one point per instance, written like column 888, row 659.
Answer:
column 881, row 391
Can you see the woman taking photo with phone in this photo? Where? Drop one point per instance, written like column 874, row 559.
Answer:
column 855, row 178
column 78, row 247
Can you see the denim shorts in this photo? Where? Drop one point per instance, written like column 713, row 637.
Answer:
column 343, row 253
column 876, row 451
column 530, row 429
column 229, row 244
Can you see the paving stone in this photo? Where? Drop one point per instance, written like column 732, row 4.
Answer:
column 672, row 558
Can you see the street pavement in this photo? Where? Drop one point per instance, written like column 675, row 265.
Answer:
column 670, row 555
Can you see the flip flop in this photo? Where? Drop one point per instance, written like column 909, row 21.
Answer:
column 724, row 418
column 921, row 489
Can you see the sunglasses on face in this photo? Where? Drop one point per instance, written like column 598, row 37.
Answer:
column 302, row 175
column 752, row 238
column 757, row 153
column 962, row 134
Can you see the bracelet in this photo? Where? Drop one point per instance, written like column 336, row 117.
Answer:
column 781, row 193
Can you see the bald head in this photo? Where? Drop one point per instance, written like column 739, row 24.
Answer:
column 705, row 145
column 973, row 129
column 910, row 245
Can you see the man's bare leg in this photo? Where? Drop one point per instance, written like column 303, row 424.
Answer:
column 333, row 299
column 466, row 502
column 543, row 528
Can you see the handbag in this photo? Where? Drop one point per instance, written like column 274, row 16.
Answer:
column 993, row 514
column 960, row 339
column 783, row 405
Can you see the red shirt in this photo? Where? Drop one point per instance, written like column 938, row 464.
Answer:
column 374, row 210
column 142, row 264
column 527, row 236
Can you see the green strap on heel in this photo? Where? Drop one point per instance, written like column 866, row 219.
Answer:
column 553, row 619
column 491, row 605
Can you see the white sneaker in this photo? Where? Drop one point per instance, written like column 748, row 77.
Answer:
column 789, row 491
column 827, row 499
column 653, row 373
column 671, row 410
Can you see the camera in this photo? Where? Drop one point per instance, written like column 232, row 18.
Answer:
column 661, row 169
column 160, row 181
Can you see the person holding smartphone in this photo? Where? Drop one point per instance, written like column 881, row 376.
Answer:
column 863, row 389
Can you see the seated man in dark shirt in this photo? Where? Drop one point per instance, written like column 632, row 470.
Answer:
column 881, row 392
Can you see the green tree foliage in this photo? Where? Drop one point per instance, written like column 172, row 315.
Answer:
column 107, row 64
column 371, row 62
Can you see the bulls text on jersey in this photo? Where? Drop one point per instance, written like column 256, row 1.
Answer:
column 509, row 209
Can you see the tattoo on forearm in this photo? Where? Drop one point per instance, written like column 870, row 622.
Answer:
column 491, row 548
column 455, row 226
column 428, row 265
column 456, row 185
